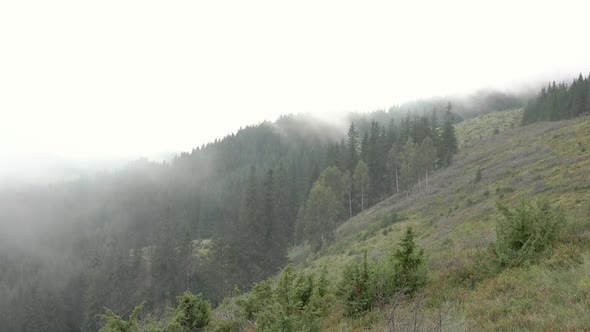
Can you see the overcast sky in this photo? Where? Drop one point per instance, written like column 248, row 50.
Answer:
column 121, row 79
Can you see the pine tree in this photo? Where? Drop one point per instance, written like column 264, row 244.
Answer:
column 356, row 289
column 248, row 250
column 365, row 147
column 391, row 135
column 275, row 244
column 448, row 143
column 434, row 120
column 313, row 177
column 193, row 313
column 165, row 261
column 286, row 204
column 408, row 264
column 353, row 147
column 405, row 129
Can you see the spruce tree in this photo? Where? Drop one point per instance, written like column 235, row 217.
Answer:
column 448, row 144
column 408, row 262
column 353, row 147
column 275, row 243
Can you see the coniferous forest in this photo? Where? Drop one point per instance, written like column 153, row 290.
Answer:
column 220, row 216
column 559, row 101
column 220, row 219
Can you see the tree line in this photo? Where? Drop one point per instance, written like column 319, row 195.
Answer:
column 559, row 101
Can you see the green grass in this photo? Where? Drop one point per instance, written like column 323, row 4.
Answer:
column 455, row 223
column 473, row 130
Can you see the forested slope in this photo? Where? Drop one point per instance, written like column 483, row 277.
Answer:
column 222, row 215
column 226, row 214
column 456, row 222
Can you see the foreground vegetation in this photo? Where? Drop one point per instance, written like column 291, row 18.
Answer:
column 297, row 301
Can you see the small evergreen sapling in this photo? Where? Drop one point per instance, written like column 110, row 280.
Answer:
column 408, row 264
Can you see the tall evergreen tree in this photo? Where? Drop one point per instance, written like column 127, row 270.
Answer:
column 365, row 147
column 165, row 261
column 249, row 237
column 286, row 203
column 275, row 243
column 448, row 143
column 353, row 149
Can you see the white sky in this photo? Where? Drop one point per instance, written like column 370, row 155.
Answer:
column 112, row 79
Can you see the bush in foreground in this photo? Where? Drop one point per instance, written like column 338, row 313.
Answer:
column 526, row 231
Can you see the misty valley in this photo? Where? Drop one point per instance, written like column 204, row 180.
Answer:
column 441, row 214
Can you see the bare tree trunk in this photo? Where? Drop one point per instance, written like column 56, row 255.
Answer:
column 363, row 197
column 396, row 180
column 427, row 179
column 349, row 200
column 223, row 267
column 419, row 183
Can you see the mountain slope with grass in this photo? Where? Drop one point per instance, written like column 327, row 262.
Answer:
column 492, row 180
column 455, row 222
column 498, row 240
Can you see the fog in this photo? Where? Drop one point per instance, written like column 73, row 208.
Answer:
column 122, row 80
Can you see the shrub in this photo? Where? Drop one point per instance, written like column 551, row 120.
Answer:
column 294, row 304
column 526, row 231
column 304, row 286
column 391, row 219
column 364, row 285
column 356, row 288
column 259, row 297
column 478, row 175
column 192, row 313
column 323, row 283
column 114, row 323
column 225, row 326
column 504, row 190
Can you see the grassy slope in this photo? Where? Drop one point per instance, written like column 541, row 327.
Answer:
column 457, row 216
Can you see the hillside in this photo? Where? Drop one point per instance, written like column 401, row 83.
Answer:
column 498, row 240
column 469, row 132
column 457, row 217
column 227, row 215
